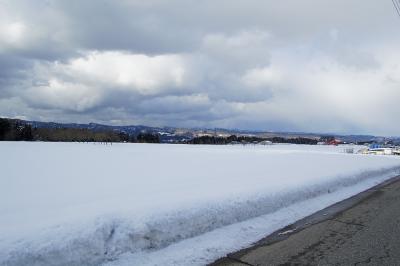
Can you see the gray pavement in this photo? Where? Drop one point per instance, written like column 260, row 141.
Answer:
column 363, row 230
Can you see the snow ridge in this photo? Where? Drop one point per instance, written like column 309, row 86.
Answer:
column 110, row 237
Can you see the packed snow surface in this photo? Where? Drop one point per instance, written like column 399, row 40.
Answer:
column 151, row 204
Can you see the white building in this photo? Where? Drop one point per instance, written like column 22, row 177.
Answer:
column 381, row 151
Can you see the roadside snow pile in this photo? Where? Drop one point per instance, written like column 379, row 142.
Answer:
column 136, row 204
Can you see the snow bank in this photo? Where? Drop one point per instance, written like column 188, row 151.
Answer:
column 86, row 204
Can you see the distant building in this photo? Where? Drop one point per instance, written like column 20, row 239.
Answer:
column 349, row 150
column 375, row 146
column 381, row 151
column 265, row 142
column 334, row 142
column 378, row 149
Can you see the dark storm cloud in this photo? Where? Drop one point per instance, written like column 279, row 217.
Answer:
column 289, row 65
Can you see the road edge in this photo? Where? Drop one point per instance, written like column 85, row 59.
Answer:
column 327, row 213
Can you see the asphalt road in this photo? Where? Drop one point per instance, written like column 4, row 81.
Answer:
column 362, row 230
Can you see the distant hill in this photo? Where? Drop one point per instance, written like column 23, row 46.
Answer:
column 179, row 135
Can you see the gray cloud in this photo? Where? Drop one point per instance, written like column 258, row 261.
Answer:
column 326, row 66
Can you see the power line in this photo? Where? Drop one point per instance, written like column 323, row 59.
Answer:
column 396, row 4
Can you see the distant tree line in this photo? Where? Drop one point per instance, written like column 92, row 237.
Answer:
column 214, row 140
column 326, row 138
column 147, row 138
column 16, row 130
column 298, row 140
column 211, row 140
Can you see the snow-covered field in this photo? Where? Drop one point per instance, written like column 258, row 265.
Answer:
column 144, row 204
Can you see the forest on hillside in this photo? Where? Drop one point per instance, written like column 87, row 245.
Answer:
column 215, row 140
column 17, row 130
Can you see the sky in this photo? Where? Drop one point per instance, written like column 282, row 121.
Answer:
column 289, row 65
